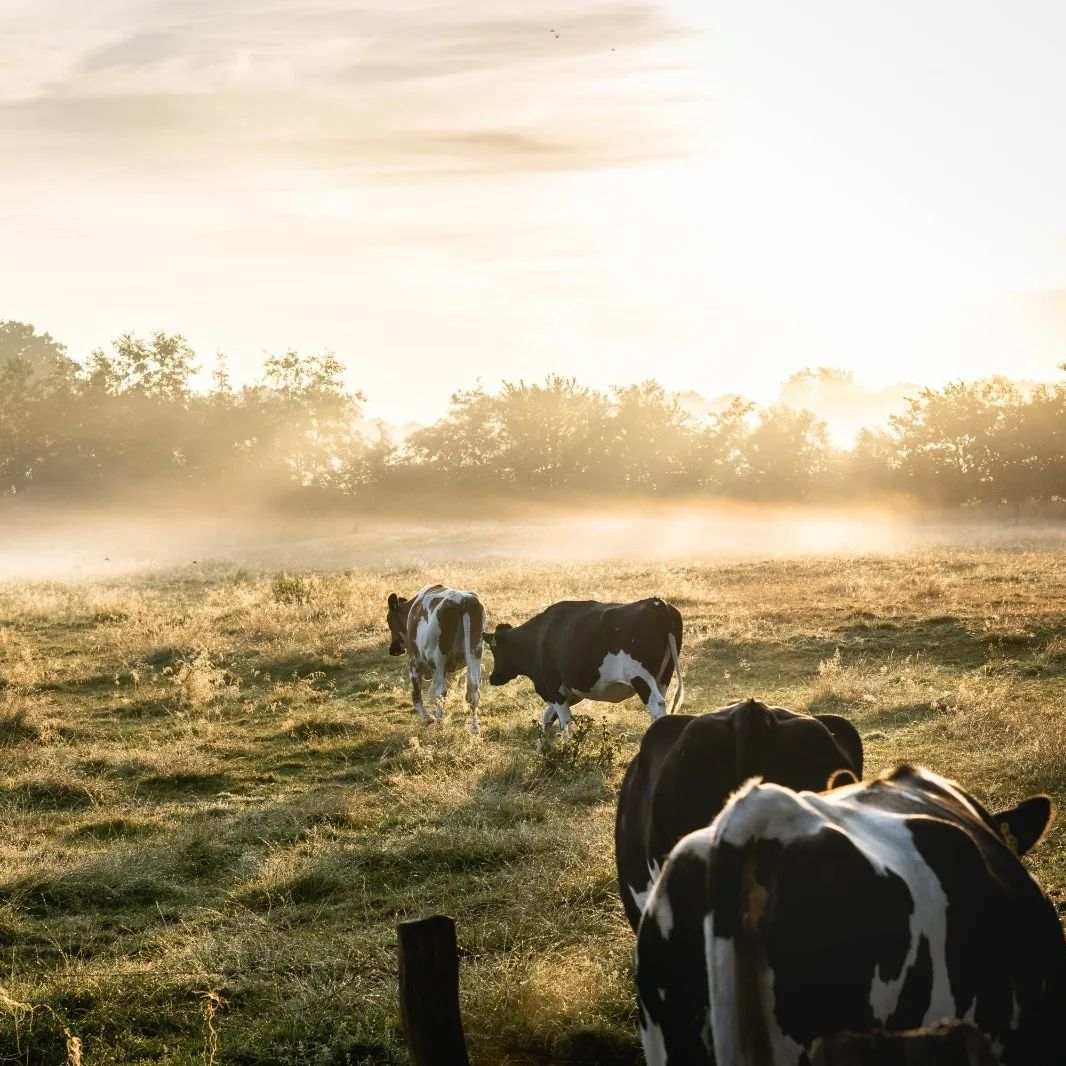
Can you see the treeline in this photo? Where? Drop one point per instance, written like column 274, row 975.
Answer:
column 127, row 422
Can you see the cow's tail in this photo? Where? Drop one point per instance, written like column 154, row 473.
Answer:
column 473, row 664
column 679, row 694
column 752, row 727
column 741, row 989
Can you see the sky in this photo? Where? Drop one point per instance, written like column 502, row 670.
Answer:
column 443, row 192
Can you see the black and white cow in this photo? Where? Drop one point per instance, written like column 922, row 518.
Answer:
column 442, row 630
column 893, row 903
column 688, row 765
column 580, row 649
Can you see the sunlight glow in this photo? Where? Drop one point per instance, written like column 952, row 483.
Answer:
column 715, row 195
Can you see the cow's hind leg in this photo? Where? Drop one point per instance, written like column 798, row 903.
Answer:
column 560, row 710
column 416, row 691
column 564, row 721
column 551, row 711
column 473, row 698
column 473, row 679
column 440, row 687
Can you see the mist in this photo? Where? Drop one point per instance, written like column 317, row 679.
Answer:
column 88, row 544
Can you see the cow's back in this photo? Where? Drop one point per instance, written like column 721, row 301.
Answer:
column 575, row 636
column 436, row 622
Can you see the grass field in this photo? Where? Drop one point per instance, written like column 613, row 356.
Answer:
column 216, row 801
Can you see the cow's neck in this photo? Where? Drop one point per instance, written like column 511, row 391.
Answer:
column 528, row 641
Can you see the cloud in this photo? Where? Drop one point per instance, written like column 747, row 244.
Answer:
column 398, row 89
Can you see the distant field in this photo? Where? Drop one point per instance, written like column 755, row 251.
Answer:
column 216, row 801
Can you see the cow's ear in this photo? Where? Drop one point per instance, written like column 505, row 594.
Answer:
column 847, row 737
column 1022, row 827
column 394, row 601
column 840, row 778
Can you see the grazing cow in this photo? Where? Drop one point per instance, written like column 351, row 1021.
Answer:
column 441, row 630
column 890, row 904
column 581, row 649
column 688, row 765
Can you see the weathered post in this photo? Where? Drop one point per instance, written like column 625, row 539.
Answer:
column 429, row 992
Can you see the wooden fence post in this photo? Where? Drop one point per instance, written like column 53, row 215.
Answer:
column 429, row 992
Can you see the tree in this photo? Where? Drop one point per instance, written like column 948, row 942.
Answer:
column 720, row 463
column 157, row 369
column 465, row 446
column 949, row 443
column 313, row 416
column 787, row 454
column 36, row 381
column 43, row 356
column 653, row 441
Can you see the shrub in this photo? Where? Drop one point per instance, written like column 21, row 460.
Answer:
column 294, row 588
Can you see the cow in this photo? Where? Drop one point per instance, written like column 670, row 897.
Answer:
column 688, row 765
column 889, row 904
column 581, row 649
column 441, row 629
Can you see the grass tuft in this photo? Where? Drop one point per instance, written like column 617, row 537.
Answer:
column 21, row 720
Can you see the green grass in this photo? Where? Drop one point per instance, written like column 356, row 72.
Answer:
column 216, row 802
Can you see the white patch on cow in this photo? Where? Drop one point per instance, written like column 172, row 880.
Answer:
column 427, row 638
column 641, row 898
column 928, row 919
column 614, row 682
column 663, row 914
column 651, row 1034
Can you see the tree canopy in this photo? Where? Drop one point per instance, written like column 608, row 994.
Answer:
column 128, row 421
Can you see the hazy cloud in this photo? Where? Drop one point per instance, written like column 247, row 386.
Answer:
column 394, row 89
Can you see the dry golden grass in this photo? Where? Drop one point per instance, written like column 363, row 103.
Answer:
column 216, row 801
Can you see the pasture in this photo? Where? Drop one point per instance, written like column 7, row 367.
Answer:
column 216, row 801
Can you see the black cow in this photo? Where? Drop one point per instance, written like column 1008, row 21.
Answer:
column 889, row 904
column 581, row 649
column 688, row 765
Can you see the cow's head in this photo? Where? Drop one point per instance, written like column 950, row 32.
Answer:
column 505, row 666
column 397, row 619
